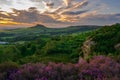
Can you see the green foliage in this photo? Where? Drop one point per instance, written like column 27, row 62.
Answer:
column 9, row 53
column 6, row 68
column 106, row 39
column 32, row 33
column 63, row 48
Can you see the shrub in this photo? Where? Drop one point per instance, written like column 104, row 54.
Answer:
column 7, row 69
column 98, row 68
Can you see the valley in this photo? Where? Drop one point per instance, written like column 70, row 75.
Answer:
column 68, row 47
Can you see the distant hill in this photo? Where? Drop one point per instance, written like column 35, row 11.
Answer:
column 39, row 26
column 25, row 34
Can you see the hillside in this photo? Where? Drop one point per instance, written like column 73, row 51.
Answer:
column 104, row 41
column 28, row 34
column 91, row 55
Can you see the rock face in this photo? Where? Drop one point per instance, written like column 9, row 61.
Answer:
column 117, row 46
column 86, row 48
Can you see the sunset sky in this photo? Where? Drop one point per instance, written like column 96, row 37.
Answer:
column 58, row 13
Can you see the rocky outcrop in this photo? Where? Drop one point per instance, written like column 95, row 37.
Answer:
column 117, row 46
column 86, row 48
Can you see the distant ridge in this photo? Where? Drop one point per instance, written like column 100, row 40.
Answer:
column 38, row 26
column 31, row 33
column 77, row 26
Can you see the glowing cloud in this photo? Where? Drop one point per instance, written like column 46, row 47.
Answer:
column 52, row 12
column 75, row 6
column 66, row 2
column 7, row 21
column 48, row 5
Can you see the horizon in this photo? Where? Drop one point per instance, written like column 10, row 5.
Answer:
column 58, row 13
column 37, row 25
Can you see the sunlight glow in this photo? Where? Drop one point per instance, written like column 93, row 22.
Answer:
column 7, row 22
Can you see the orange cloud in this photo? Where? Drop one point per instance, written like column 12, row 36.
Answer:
column 68, row 12
column 75, row 6
column 7, row 21
column 66, row 2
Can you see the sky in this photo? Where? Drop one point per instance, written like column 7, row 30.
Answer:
column 58, row 13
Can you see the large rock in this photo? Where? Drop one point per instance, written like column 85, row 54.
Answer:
column 117, row 46
column 86, row 48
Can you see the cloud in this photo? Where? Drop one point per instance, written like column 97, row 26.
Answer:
column 67, row 2
column 6, row 5
column 5, row 2
column 48, row 4
column 68, row 12
column 64, row 13
column 99, row 19
column 75, row 12
column 75, row 6
column 30, row 16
